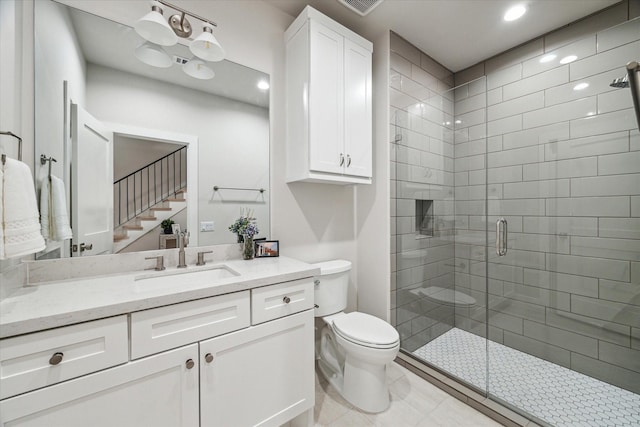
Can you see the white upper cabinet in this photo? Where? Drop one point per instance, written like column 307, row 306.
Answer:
column 329, row 125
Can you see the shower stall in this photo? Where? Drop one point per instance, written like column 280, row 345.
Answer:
column 516, row 229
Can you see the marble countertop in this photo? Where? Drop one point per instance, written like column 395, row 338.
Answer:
column 49, row 305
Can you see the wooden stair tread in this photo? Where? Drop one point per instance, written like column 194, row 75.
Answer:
column 182, row 190
column 175, row 199
column 118, row 238
column 146, row 218
column 133, row 227
column 160, row 209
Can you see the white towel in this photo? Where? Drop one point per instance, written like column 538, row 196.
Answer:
column 19, row 212
column 53, row 210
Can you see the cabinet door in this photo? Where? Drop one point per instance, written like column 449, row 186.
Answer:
column 357, row 101
column 263, row 375
column 157, row 391
column 326, row 100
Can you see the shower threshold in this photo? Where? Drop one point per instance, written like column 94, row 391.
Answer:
column 549, row 392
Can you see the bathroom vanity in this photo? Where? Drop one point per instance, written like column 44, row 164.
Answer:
column 226, row 344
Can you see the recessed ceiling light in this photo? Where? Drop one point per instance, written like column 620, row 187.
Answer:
column 568, row 59
column 263, row 85
column 547, row 58
column 515, row 12
column 581, row 86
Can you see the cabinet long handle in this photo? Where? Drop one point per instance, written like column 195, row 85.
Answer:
column 56, row 358
column 341, row 159
column 348, row 160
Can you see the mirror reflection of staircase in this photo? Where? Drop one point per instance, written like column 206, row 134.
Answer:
column 146, row 197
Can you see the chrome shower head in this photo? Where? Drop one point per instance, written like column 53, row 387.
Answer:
column 621, row 82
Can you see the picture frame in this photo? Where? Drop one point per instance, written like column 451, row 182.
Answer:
column 267, row 248
column 175, row 228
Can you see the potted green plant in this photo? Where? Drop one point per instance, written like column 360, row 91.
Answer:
column 166, row 226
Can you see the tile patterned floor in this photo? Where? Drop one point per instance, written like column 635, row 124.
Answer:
column 555, row 394
column 414, row 402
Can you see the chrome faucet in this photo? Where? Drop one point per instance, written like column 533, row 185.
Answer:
column 183, row 239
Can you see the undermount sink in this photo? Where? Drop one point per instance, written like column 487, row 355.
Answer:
column 190, row 275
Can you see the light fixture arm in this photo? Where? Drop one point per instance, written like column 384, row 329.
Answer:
column 187, row 13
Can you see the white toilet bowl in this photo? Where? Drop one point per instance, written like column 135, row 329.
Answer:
column 354, row 365
column 354, row 348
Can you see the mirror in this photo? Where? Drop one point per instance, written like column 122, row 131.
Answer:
column 201, row 134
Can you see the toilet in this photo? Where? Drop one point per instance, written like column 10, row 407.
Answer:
column 354, row 348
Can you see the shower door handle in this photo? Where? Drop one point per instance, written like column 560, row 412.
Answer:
column 501, row 236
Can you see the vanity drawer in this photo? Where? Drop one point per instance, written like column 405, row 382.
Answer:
column 43, row 358
column 164, row 328
column 271, row 302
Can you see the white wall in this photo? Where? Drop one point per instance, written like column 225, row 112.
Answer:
column 232, row 140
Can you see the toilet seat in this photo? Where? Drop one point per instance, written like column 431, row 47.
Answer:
column 366, row 330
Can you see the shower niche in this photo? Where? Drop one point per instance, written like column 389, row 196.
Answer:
column 424, row 218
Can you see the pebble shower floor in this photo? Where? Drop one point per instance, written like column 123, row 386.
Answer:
column 552, row 393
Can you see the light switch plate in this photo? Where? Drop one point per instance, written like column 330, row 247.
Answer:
column 207, row 226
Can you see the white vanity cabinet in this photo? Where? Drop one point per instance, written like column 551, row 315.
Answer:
column 329, row 108
column 239, row 359
column 258, row 376
column 161, row 390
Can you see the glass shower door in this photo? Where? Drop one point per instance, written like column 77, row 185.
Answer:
column 564, row 300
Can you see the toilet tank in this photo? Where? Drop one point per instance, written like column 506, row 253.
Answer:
column 331, row 287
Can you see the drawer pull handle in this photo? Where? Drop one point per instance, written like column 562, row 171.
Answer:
column 208, row 357
column 286, row 300
column 190, row 363
column 56, row 358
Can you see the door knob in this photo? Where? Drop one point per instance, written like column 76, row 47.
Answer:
column 84, row 247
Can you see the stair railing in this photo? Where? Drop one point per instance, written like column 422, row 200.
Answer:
column 149, row 185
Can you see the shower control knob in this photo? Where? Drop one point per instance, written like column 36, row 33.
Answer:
column 190, row 364
column 208, row 357
column 56, row 358
column 286, row 300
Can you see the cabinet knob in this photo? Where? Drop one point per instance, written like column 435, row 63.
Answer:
column 286, row 300
column 190, row 363
column 208, row 357
column 56, row 358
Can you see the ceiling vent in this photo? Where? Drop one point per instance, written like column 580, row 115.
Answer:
column 361, row 7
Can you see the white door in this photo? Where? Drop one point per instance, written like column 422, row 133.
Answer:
column 91, row 184
column 158, row 391
column 357, row 109
column 260, row 376
column 326, row 100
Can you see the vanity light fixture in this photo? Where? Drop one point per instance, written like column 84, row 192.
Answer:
column 197, row 69
column 154, row 55
column 206, row 46
column 515, row 12
column 153, row 27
